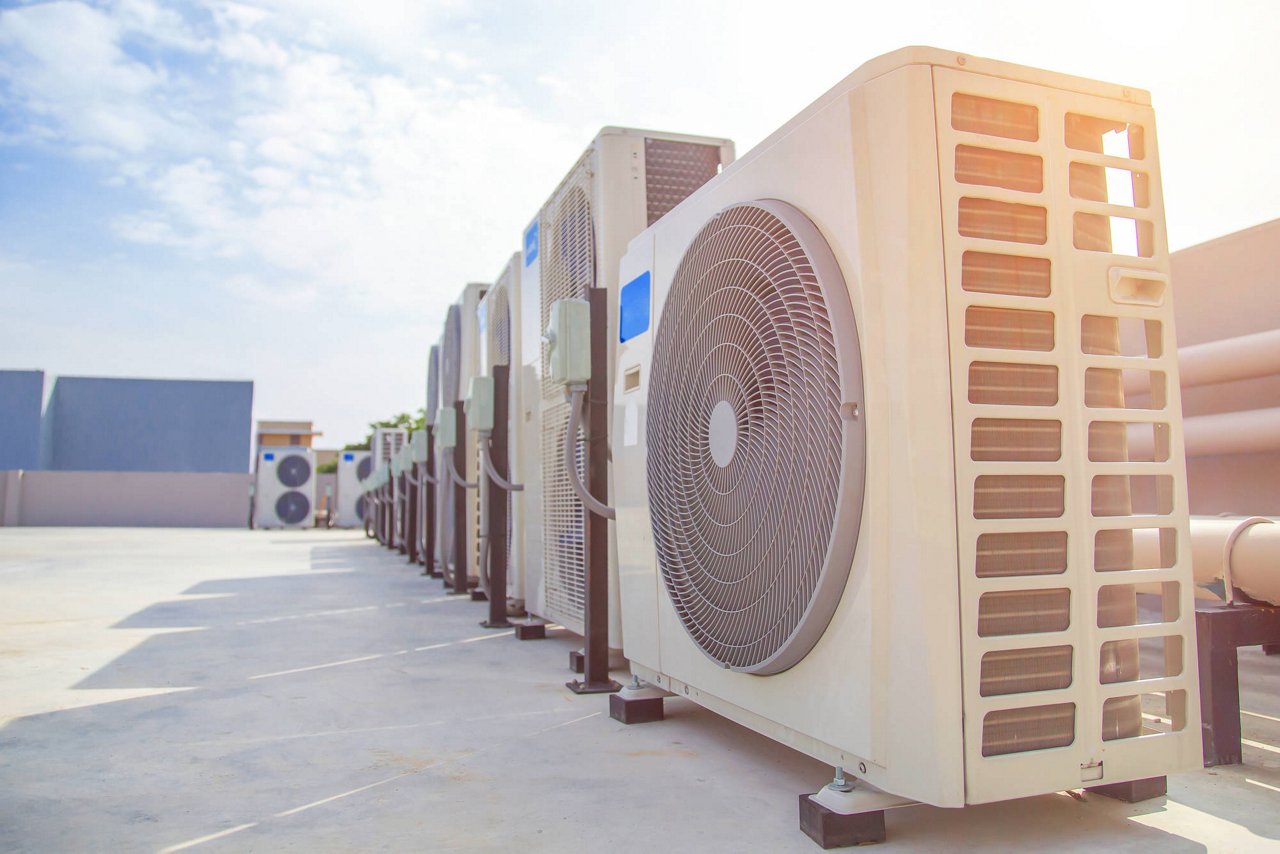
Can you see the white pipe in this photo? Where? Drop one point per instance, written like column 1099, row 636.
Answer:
column 1241, row 358
column 1253, row 431
column 1254, row 553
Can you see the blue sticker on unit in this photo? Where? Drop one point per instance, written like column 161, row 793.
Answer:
column 268, row 457
column 531, row 244
column 633, row 307
column 348, row 457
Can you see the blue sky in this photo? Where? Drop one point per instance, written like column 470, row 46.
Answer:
column 282, row 189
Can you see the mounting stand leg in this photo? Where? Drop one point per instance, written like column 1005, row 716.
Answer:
column 1220, row 630
column 578, row 661
column 429, row 512
column 530, row 631
column 461, row 571
column 411, row 515
column 496, row 504
column 595, row 676
column 638, row 704
column 842, row 814
column 478, row 595
column 1133, row 791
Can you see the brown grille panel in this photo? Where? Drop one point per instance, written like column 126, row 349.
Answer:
column 1015, row 275
column 1001, row 555
column 991, row 117
column 1031, row 728
column 994, row 168
column 673, row 171
column 1015, row 440
column 1008, row 329
column 1007, row 221
column 1020, row 671
column 1013, row 384
column 1024, row 612
column 1015, row 496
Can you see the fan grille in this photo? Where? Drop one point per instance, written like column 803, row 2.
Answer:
column 292, row 507
column 755, row 447
column 293, row 470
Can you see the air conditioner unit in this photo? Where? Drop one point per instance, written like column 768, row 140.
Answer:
column 353, row 467
column 459, row 362
column 285, row 488
column 387, row 442
column 624, row 182
column 433, row 514
column 875, row 491
column 499, row 339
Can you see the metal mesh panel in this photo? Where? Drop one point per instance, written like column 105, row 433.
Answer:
column 568, row 271
column 498, row 322
column 673, row 170
column 747, row 429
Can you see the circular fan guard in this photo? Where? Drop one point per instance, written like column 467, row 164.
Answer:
column 755, row 447
column 364, row 468
column 451, row 358
column 292, row 507
column 293, row 471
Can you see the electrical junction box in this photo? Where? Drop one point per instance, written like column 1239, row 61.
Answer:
column 479, row 404
column 446, row 428
column 569, row 342
column 418, row 446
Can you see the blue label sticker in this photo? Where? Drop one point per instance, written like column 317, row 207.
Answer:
column 348, row 457
column 531, row 244
column 268, row 456
column 633, row 307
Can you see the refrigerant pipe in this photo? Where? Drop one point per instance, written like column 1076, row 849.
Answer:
column 1251, row 431
column 1242, row 552
column 576, row 396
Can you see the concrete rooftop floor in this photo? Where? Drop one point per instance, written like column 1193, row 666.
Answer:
column 167, row 690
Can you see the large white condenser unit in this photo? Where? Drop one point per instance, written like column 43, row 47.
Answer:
column 878, row 398
column 625, row 181
column 285, row 488
column 459, row 362
column 353, row 467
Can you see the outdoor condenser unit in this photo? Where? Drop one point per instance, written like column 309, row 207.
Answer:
column 499, row 338
column 285, row 490
column 353, row 467
column 624, row 182
column 876, row 483
column 459, row 362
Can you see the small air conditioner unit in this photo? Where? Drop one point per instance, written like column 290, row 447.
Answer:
column 387, row 442
column 625, row 181
column 459, row 362
column 875, row 485
column 353, row 467
column 285, row 488
column 499, row 339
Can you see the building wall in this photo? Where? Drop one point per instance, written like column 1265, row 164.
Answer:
column 125, row 499
column 1225, row 288
column 21, row 397
column 135, row 425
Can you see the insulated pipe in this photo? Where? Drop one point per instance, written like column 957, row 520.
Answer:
column 1246, row 549
column 570, row 452
column 492, row 472
column 1249, row 432
column 456, row 478
column 1241, row 358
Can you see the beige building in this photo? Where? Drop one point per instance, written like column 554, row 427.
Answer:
column 1223, row 289
column 275, row 434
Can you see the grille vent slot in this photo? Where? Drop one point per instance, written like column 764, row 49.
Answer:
column 673, row 171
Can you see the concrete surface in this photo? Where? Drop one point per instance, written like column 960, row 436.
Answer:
column 169, row 690
column 125, row 498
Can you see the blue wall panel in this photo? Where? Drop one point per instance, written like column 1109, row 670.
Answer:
column 105, row 424
column 21, row 396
